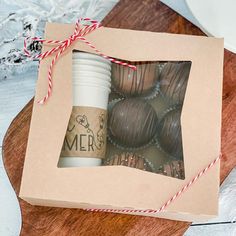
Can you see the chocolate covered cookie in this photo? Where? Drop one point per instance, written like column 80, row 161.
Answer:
column 173, row 169
column 130, row 160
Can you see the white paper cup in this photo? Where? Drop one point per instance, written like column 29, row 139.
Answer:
column 91, row 62
column 79, row 162
column 91, row 96
column 84, row 75
column 91, row 87
column 102, row 83
column 91, row 69
column 99, row 86
column 89, row 56
column 93, row 79
column 104, row 74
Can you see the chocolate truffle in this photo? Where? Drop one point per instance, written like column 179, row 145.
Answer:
column 131, row 82
column 173, row 168
column 173, row 80
column 130, row 160
column 132, row 123
column 169, row 134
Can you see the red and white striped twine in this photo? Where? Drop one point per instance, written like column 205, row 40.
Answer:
column 167, row 203
column 78, row 34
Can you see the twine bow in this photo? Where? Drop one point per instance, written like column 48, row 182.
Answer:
column 78, row 34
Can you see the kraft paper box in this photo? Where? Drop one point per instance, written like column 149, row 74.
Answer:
column 119, row 187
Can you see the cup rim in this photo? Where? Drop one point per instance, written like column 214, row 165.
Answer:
column 95, row 86
column 93, row 79
column 96, row 65
column 99, row 81
column 91, row 73
column 85, row 55
column 91, row 61
column 91, row 69
column 94, row 74
column 79, row 65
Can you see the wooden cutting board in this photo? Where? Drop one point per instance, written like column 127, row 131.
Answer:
column 130, row 14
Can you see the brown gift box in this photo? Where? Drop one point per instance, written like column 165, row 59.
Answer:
column 118, row 187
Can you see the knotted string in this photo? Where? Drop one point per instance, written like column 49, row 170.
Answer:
column 79, row 33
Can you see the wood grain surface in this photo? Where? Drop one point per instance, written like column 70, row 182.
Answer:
column 130, row 14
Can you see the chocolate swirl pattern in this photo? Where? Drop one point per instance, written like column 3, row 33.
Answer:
column 132, row 123
column 134, row 82
column 173, row 80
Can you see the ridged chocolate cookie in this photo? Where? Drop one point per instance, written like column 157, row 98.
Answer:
column 130, row 160
column 173, row 169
